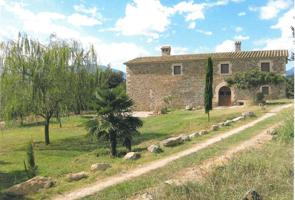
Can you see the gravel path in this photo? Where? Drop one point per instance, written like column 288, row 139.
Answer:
column 113, row 180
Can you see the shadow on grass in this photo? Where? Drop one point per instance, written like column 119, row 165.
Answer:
column 4, row 162
column 276, row 103
column 9, row 179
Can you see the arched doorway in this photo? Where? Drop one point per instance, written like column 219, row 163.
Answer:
column 224, row 96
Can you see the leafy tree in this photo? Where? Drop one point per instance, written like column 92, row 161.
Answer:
column 252, row 80
column 114, row 120
column 16, row 93
column 208, row 95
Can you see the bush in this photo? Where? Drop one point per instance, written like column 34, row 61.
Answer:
column 286, row 131
column 30, row 166
column 164, row 110
column 259, row 98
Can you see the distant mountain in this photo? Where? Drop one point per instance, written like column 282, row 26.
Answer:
column 290, row 72
column 103, row 67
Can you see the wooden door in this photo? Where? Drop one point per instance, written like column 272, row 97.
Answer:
column 224, row 96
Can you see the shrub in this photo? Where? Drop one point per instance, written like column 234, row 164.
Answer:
column 259, row 98
column 164, row 110
column 286, row 131
column 30, row 166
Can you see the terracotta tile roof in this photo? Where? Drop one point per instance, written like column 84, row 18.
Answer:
column 223, row 55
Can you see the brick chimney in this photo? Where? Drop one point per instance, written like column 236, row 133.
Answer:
column 237, row 46
column 166, row 50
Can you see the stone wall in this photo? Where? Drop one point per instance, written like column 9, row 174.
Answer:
column 148, row 84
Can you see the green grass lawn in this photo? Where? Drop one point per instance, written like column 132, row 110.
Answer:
column 268, row 170
column 72, row 151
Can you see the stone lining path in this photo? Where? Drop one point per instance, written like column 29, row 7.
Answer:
column 116, row 179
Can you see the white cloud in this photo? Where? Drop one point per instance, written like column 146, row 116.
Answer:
column 150, row 18
column 192, row 25
column 42, row 24
column 284, row 41
column 193, row 11
column 241, row 37
column 204, row 32
column 225, row 46
column 272, row 8
column 241, row 14
column 83, row 20
column 89, row 11
column 179, row 50
column 142, row 17
column 238, row 29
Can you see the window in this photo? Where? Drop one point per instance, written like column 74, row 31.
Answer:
column 265, row 66
column 265, row 90
column 177, row 70
column 224, row 68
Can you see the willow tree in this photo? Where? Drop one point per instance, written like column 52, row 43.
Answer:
column 50, row 83
column 208, row 93
column 16, row 78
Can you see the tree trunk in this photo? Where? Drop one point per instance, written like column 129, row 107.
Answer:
column 127, row 143
column 113, row 143
column 47, row 141
column 208, row 116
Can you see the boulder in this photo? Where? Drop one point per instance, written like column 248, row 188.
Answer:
column 237, row 119
column 173, row 182
column 195, row 134
column 189, row 107
column 170, row 142
column 203, row 132
column 144, row 196
column 77, row 176
column 2, row 124
column 214, row 127
column 220, row 124
column 252, row 195
column 248, row 114
column 154, row 149
column 132, row 156
column 185, row 138
column 227, row 122
column 99, row 167
column 30, row 186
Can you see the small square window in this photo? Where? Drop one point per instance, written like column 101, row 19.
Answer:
column 265, row 90
column 224, row 68
column 177, row 70
column 265, row 66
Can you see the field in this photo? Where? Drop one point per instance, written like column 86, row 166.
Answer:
column 268, row 170
column 72, row 151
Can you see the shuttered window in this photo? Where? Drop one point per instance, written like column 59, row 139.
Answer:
column 265, row 90
column 265, row 66
column 224, row 68
column 177, row 70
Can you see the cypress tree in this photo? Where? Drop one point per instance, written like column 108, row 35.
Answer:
column 208, row 95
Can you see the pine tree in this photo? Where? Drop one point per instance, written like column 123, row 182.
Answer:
column 208, row 95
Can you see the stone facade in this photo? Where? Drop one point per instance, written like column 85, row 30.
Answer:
column 148, row 83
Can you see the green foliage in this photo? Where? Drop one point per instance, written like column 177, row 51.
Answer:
column 259, row 98
column 114, row 120
column 50, row 80
column 253, row 79
column 285, row 132
column 290, row 87
column 30, row 166
column 208, row 93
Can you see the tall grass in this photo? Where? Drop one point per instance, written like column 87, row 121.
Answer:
column 286, row 131
column 268, row 170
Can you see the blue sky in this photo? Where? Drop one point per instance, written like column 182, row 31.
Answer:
column 122, row 30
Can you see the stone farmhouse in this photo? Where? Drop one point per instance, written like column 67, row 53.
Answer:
column 150, row 79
